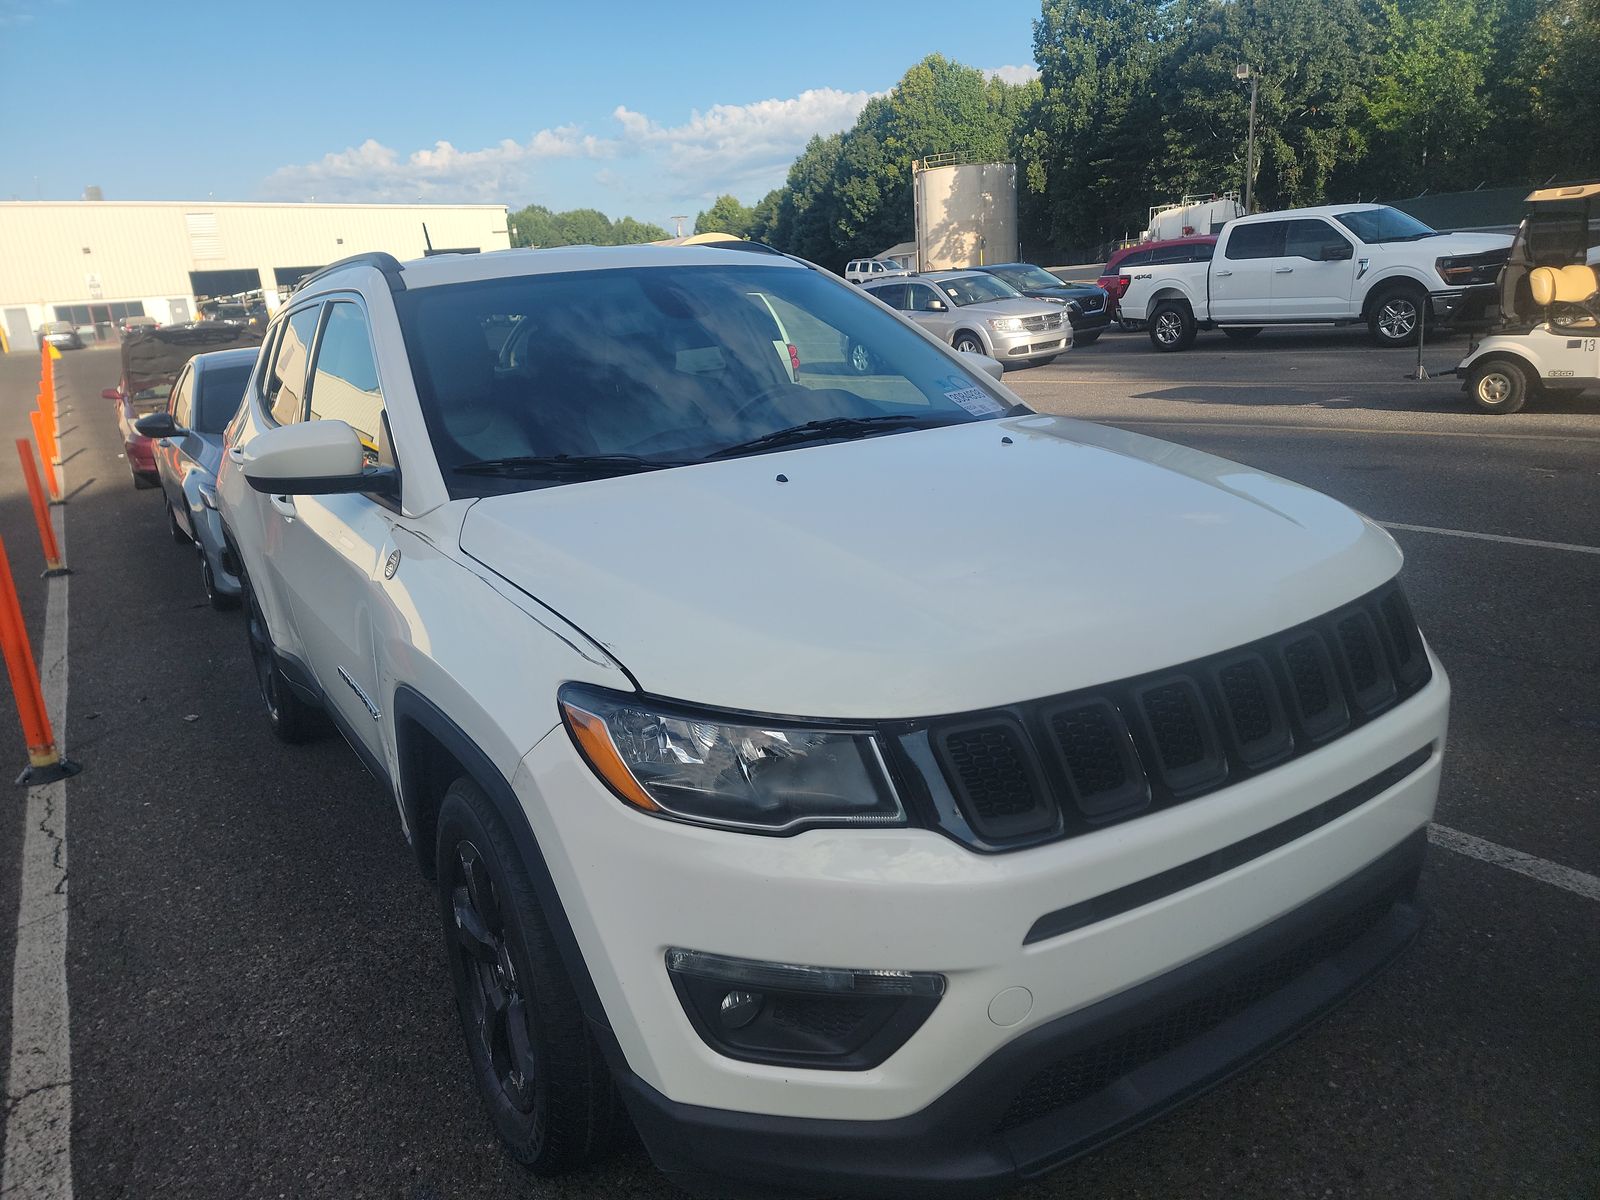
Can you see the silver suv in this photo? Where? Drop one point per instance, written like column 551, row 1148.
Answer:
column 981, row 314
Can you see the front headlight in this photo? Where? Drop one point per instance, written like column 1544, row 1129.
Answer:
column 733, row 772
column 1006, row 324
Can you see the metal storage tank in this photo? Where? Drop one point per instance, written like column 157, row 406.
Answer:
column 966, row 212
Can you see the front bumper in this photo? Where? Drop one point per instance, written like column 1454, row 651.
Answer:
column 1090, row 322
column 1021, row 347
column 1070, row 1085
column 1465, row 306
column 633, row 886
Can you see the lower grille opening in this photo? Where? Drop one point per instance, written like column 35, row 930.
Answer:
column 1080, row 1075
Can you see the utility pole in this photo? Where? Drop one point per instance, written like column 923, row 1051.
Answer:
column 678, row 224
column 1241, row 72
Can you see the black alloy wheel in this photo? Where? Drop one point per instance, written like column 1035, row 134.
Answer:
column 540, row 1075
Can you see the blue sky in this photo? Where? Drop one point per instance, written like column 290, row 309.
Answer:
column 628, row 107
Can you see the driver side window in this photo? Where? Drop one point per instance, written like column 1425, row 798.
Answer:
column 924, row 299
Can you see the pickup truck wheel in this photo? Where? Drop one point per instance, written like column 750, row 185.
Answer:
column 1499, row 386
column 1241, row 333
column 1395, row 315
column 292, row 719
column 542, row 1079
column 1172, row 327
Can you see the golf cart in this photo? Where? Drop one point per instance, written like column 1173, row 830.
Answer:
column 1548, row 336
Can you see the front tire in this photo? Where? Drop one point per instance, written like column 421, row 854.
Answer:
column 859, row 359
column 1499, row 386
column 1172, row 327
column 292, row 719
column 969, row 343
column 540, row 1076
column 1396, row 315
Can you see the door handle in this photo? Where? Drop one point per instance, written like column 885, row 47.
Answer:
column 1222, row 274
column 1283, row 270
column 285, row 505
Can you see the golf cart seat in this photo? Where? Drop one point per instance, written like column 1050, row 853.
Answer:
column 1573, row 289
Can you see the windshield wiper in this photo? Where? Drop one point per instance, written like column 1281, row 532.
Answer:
column 830, row 427
column 565, row 464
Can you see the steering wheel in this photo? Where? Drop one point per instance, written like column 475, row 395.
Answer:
column 763, row 397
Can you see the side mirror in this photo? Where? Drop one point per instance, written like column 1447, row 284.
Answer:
column 992, row 367
column 159, row 425
column 111, row 393
column 314, row 458
column 1337, row 251
column 937, row 306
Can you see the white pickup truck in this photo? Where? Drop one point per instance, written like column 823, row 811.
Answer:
column 1336, row 265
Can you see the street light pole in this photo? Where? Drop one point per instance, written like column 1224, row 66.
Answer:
column 1245, row 71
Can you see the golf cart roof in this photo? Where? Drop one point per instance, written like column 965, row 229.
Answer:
column 1571, row 191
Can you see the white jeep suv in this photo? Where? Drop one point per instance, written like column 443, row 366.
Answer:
column 869, row 785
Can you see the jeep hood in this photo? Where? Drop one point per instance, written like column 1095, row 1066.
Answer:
column 928, row 572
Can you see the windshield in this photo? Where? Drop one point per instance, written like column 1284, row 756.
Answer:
column 221, row 389
column 1374, row 225
column 663, row 366
column 1029, row 276
column 979, row 289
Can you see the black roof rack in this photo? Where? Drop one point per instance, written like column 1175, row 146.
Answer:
column 388, row 264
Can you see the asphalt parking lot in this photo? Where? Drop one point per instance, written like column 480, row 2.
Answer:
column 258, row 1001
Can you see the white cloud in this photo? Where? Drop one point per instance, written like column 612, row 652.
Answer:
column 653, row 167
column 742, row 147
column 1014, row 75
column 375, row 172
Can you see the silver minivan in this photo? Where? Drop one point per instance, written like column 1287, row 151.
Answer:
column 981, row 314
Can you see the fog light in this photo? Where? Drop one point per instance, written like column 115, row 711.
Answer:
column 740, row 1008
column 787, row 1014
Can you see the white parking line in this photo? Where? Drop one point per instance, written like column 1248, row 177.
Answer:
column 38, row 1154
column 1203, row 423
column 1493, row 537
column 1579, row 882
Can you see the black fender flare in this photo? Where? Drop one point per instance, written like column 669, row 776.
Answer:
column 411, row 708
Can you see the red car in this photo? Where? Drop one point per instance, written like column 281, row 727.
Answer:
column 152, row 359
column 1174, row 250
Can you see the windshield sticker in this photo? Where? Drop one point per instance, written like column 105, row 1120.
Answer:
column 969, row 396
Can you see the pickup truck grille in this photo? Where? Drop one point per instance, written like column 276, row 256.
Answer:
column 1065, row 765
column 1043, row 323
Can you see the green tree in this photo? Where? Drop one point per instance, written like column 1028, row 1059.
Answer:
column 536, row 225
column 1316, row 61
column 625, row 231
column 1429, row 106
column 1560, row 68
column 764, row 216
column 1095, row 134
column 726, row 215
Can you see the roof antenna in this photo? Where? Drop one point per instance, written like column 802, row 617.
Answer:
column 426, row 240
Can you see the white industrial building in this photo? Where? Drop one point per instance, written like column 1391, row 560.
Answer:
column 92, row 262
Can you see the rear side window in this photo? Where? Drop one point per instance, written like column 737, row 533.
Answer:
column 892, row 294
column 221, row 390
column 1261, row 240
column 1139, row 258
column 286, row 383
column 344, row 384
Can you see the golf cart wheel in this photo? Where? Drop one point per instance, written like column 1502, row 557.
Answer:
column 1172, row 327
column 1499, row 386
